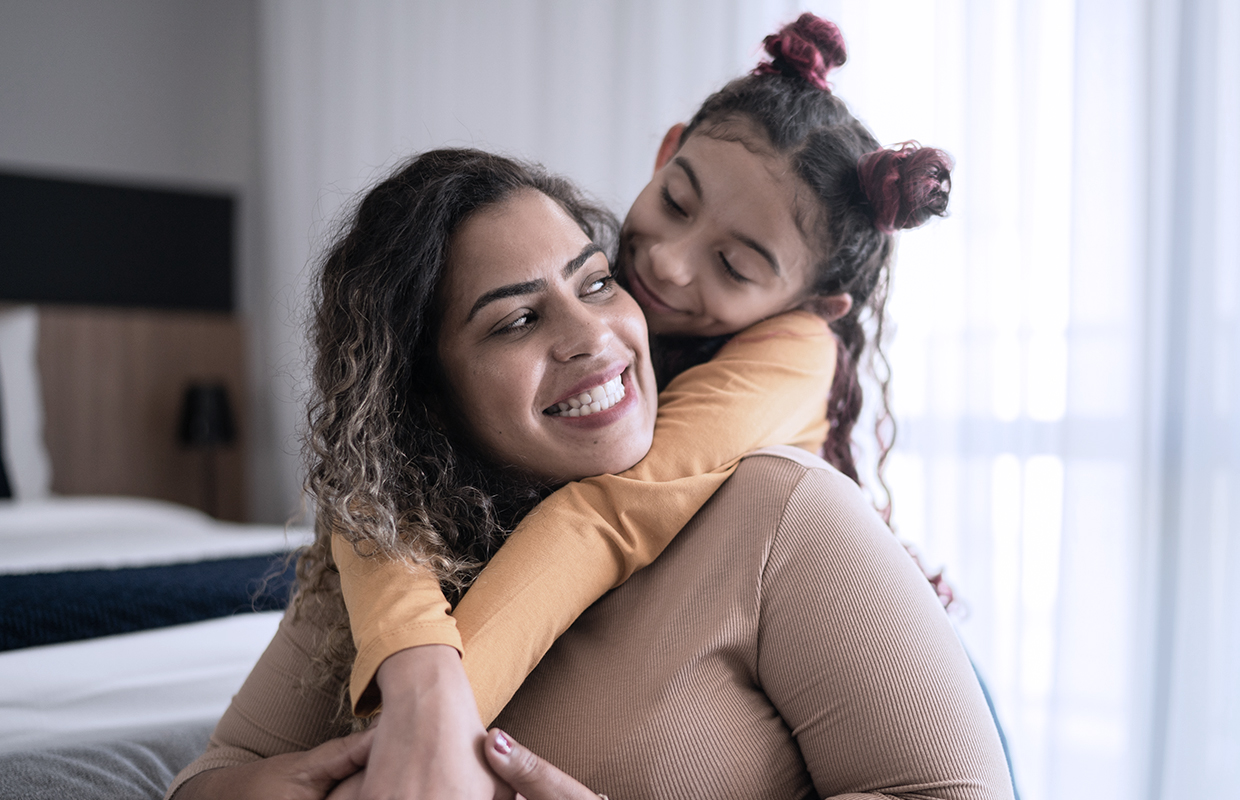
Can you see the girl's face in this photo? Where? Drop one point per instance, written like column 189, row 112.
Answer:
column 716, row 241
column 533, row 323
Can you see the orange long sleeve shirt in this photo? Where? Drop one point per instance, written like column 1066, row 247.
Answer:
column 766, row 386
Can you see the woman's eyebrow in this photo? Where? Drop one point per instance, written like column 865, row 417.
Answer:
column 511, row 290
column 536, row 285
column 587, row 252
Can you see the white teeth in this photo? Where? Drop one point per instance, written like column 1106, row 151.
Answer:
column 600, row 398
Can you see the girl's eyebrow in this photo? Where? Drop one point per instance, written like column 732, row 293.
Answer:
column 690, row 173
column 536, row 285
column 748, row 241
column 759, row 249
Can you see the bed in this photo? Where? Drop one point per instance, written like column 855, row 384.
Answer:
column 126, row 621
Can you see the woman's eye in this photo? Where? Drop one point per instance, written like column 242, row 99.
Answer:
column 525, row 320
column 731, row 272
column 671, row 205
column 600, row 285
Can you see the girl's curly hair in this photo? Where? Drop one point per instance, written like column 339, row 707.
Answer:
column 390, row 468
column 863, row 191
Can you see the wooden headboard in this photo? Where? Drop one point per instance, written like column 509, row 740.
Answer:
column 113, row 381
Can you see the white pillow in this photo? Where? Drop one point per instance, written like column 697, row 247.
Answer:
column 25, row 456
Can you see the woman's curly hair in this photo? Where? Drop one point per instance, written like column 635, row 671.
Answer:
column 390, row 467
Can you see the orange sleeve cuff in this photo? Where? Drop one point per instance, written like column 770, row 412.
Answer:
column 393, row 605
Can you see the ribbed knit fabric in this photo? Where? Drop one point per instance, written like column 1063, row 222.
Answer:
column 282, row 707
column 783, row 646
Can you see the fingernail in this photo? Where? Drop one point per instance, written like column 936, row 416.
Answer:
column 502, row 745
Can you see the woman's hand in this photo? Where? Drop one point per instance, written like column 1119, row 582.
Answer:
column 528, row 774
column 310, row 775
column 429, row 738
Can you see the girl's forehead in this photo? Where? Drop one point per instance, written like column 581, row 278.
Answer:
column 736, row 168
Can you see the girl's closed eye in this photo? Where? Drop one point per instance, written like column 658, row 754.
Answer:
column 731, row 271
column 670, row 204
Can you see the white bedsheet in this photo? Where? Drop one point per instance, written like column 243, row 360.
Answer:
column 68, row 533
column 85, row 690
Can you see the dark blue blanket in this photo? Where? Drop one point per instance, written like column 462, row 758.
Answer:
column 50, row 607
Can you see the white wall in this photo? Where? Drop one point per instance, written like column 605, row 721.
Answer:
column 148, row 92
column 158, row 91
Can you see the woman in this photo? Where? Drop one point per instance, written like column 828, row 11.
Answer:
column 770, row 213
column 785, row 620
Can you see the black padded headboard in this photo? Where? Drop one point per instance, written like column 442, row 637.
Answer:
column 75, row 242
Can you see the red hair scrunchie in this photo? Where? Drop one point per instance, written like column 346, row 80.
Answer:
column 905, row 185
column 810, row 47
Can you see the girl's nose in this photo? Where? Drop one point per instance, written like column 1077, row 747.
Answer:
column 668, row 262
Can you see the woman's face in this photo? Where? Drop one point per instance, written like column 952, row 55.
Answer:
column 716, row 241
column 532, row 323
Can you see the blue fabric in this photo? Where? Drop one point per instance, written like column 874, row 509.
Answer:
column 51, row 607
column 990, row 703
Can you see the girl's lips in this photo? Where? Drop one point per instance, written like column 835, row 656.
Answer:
column 645, row 296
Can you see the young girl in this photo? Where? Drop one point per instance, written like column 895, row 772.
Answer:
column 764, row 236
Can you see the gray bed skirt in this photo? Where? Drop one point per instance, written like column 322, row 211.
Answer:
column 129, row 766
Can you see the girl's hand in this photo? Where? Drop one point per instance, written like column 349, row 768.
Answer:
column 429, row 738
column 528, row 774
column 310, row 775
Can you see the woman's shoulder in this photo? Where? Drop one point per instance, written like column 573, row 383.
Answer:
column 791, row 471
column 804, row 499
column 823, row 517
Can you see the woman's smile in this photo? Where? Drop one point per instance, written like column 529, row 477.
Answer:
column 596, row 399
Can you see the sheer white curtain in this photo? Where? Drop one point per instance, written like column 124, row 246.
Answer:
column 1067, row 347
column 1066, row 367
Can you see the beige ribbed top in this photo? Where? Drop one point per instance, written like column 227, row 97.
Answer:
column 783, row 646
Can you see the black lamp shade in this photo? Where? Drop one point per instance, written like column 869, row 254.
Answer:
column 206, row 416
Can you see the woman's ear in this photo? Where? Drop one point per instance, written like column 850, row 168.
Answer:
column 671, row 143
column 830, row 306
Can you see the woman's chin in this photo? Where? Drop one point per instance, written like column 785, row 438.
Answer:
column 608, row 452
column 611, row 464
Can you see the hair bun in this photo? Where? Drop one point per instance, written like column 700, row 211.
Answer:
column 810, row 48
column 906, row 184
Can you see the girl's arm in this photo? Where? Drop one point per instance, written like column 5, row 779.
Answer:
column 766, row 386
column 393, row 605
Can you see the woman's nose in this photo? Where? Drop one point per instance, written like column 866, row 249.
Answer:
column 584, row 332
column 668, row 262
